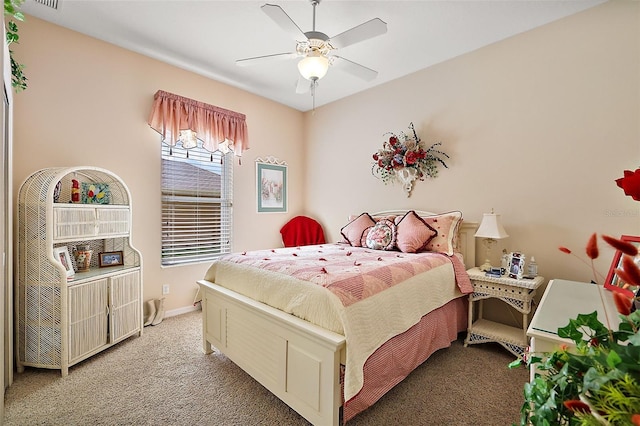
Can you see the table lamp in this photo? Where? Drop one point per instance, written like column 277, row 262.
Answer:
column 491, row 230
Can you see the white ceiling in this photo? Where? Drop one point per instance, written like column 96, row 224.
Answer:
column 207, row 36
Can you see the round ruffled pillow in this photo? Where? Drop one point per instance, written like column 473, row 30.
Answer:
column 381, row 236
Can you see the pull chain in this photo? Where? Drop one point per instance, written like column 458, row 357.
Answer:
column 314, row 84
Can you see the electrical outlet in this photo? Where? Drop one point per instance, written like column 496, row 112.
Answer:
column 165, row 289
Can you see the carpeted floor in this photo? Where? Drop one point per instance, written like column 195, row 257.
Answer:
column 163, row 378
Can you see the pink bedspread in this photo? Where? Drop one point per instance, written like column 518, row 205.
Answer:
column 352, row 274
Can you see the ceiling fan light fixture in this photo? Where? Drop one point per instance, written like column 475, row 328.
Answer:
column 313, row 67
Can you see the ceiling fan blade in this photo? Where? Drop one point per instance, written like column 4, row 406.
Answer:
column 261, row 59
column 355, row 69
column 280, row 17
column 369, row 29
column 303, row 85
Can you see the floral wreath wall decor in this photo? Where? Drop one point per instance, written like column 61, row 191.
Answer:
column 404, row 158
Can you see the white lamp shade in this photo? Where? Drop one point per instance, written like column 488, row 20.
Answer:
column 490, row 227
column 313, row 67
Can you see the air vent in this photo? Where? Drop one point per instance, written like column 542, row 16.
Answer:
column 53, row 4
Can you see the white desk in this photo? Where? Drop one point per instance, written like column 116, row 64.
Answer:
column 562, row 301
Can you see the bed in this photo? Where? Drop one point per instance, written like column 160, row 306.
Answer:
column 322, row 326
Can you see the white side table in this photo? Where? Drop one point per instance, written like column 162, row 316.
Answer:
column 562, row 301
column 516, row 293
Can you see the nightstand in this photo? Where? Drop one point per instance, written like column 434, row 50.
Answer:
column 516, row 293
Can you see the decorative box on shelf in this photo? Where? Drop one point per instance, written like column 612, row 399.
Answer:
column 518, row 293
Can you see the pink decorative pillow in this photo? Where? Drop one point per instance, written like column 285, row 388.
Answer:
column 413, row 233
column 381, row 236
column 354, row 230
column 446, row 225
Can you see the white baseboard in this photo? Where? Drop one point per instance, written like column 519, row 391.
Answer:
column 180, row 311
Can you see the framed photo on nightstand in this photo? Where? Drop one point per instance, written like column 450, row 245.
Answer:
column 516, row 265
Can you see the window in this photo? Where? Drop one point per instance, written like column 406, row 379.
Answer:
column 196, row 204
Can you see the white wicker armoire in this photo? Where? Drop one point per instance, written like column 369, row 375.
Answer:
column 60, row 321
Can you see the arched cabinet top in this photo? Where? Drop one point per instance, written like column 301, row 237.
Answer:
column 94, row 185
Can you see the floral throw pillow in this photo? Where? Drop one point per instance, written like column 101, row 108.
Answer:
column 413, row 233
column 353, row 231
column 446, row 224
column 381, row 236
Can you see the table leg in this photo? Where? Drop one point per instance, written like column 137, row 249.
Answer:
column 469, row 322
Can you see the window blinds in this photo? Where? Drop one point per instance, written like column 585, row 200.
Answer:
column 196, row 205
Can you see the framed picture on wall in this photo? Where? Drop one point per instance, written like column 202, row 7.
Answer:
column 271, row 186
column 613, row 281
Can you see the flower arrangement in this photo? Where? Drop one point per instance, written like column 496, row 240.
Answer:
column 407, row 152
column 630, row 183
column 598, row 382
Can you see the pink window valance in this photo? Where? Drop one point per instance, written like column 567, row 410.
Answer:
column 218, row 128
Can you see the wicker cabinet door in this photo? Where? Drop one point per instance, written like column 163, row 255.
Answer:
column 126, row 305
column 113, row 221
column 88, row 306
column 73, row 222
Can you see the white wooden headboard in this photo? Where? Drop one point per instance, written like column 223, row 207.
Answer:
column 466, row 231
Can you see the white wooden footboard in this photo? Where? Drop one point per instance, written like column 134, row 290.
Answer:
column 294, row 359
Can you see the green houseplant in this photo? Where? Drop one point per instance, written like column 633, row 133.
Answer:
column 11, row 9
column 598, row 382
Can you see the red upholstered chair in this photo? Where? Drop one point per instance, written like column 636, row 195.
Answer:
column 302, row 231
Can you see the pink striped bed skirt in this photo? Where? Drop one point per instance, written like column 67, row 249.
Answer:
column 399, row 356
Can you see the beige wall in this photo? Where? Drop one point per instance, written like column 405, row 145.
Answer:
column 87, row 104
column 537, row 126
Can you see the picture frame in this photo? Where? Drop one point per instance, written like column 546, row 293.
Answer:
column 516, row 265
column 110, row 258
column 95, row 193
column 271, row 187
column 61, row 254
column 613, row 282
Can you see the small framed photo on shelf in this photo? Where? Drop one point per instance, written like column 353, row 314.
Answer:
column 613, row 281
column 61, row 254
column 110, row 258
column 516, row 265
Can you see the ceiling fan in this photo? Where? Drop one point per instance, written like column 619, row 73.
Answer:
column 317, row 50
